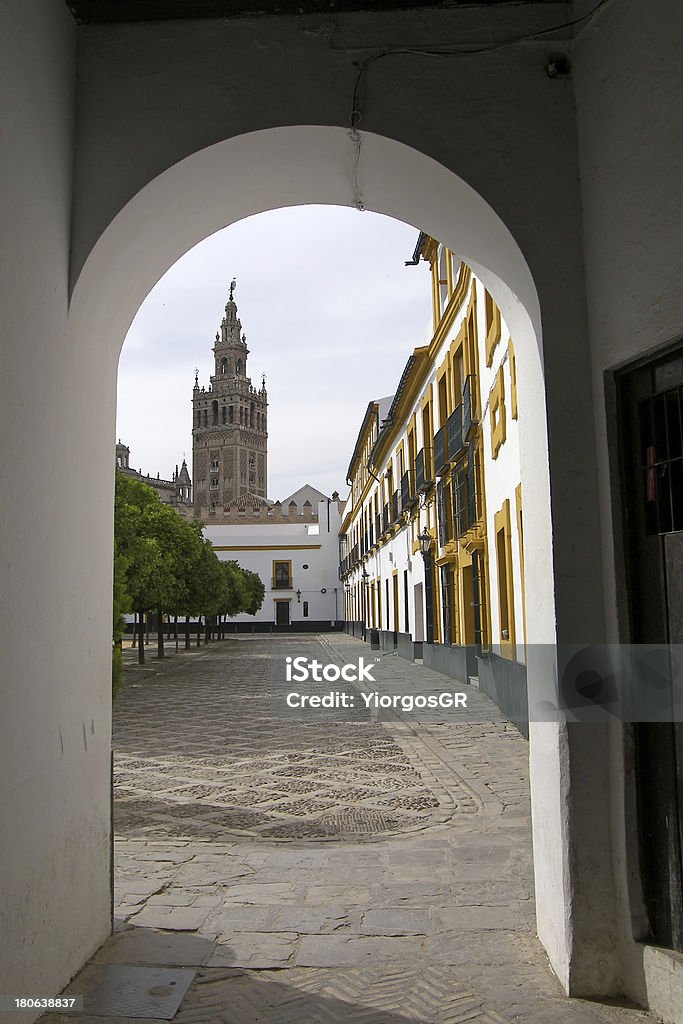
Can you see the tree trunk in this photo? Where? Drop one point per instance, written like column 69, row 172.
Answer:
column 160, row 634
column 187, row 632
column 175, row 628
column 199, row 631
column 206, row 629
column 134, row 638
column 141, row 638
column 146, row 640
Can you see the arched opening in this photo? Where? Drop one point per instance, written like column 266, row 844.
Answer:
column 300, row 165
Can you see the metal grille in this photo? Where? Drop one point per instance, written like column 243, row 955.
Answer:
column 661, row 431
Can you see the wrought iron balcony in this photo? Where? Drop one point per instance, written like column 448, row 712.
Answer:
column 456, row 445
column 386, row 518
column 422, row 470
column 407, row 490
column 282, row 583
column 465, row 497
column 395, row 506
column 469, row 408
column 441, row 451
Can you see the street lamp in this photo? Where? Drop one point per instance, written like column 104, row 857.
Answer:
column 425, row 541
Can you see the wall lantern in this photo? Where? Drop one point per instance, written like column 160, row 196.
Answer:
column 425, row 542
column 298, row 596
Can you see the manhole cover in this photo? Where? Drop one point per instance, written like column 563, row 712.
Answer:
column 111, row 990
column 358, row 820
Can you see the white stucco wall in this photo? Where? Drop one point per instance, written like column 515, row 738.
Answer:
column 502, row 475
column 629, row 84
column 55, row 689
column 314, row 544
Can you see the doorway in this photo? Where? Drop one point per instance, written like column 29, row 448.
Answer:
column 651, row 438
column 282, row 613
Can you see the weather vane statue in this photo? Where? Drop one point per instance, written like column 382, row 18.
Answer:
column 233, row 285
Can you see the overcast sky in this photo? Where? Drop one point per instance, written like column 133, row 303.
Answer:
column 331, row 315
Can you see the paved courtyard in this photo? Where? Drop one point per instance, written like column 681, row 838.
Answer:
column 313, row 866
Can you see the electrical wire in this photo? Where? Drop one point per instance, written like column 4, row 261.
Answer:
column 441, row 52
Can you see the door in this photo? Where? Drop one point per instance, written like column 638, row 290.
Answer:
column 282, row 613
column 651, row 439
column 419, row 613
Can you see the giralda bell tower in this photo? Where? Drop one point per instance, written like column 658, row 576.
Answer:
column 230, row 425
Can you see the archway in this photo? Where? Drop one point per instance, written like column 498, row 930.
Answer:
column 303, row 165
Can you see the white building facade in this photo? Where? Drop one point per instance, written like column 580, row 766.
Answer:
column 436, row 468
column 294, row 551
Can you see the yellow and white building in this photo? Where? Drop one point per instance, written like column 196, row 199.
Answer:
column 439, row 460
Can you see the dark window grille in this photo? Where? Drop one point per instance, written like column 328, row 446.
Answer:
column 456, row 445
column 441, row 451
column 661, row 431
column 407, row 490
column 422, row 477
column 469, row 420
column 394, row 506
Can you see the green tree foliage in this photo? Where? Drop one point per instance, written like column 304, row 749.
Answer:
column 163, row 564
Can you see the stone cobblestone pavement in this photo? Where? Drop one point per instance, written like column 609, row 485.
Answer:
column 315, row 867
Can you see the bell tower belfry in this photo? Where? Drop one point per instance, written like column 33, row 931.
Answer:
column 229, row 424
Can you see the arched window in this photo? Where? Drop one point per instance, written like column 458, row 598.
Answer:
column 206, row 417
column 305, row 609
column 224, row 415
column 231, row 414
column 242, row 415
column 251, row 414
column 224, row 365
column 214, row 413
column 238, row 367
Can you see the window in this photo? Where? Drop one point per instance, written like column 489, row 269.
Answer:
column 282, row 575
column 305, row 609
column 497, row 414
column 505, row 581
column 492, row 327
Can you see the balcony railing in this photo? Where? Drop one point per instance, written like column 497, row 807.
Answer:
column 469, row 408
column 441, row 451
column 378, row 526
column 407, row 490
column 395, row 506
column 386, row 518
column 282, row 583
column 422, row 470
column 456, row 445
column 465, row 497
